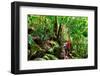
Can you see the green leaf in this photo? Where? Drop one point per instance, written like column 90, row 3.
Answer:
column 30, row 40
column 50, row 57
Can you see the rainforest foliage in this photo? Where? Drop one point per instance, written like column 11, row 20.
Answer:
column 57, row 37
